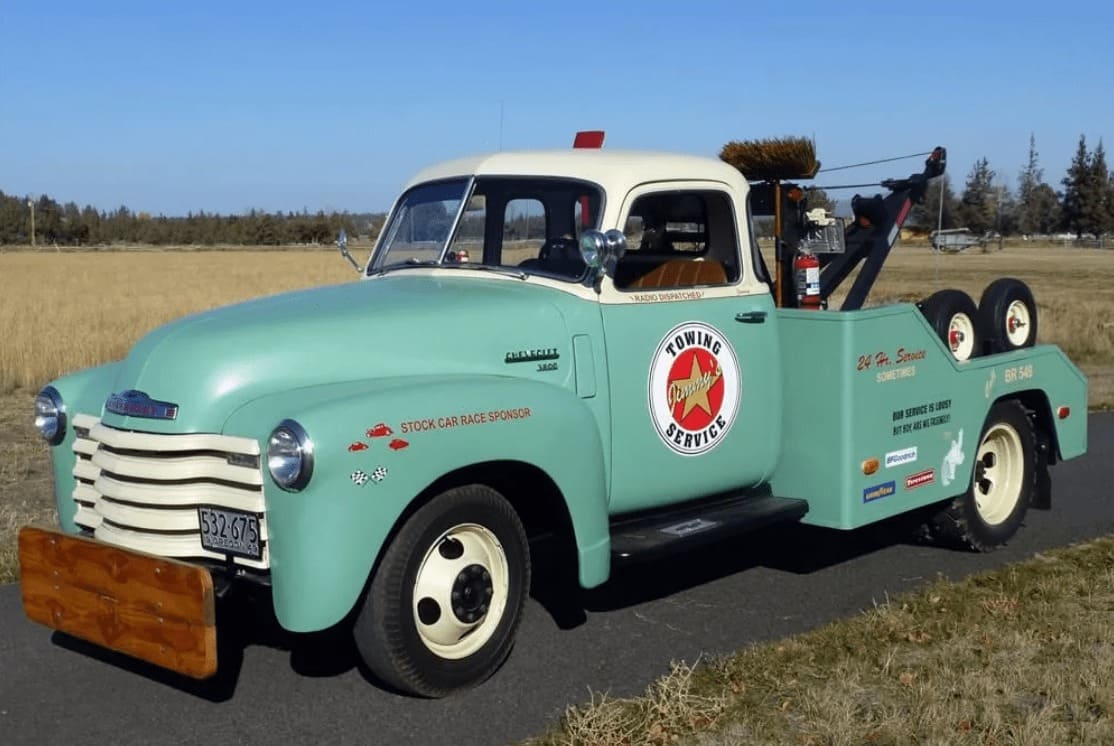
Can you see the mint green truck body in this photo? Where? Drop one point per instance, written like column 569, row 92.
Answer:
column 417, row 378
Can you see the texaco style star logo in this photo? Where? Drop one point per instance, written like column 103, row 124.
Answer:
column 694, row 388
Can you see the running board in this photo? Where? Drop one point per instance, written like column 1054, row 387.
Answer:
column 682, row 529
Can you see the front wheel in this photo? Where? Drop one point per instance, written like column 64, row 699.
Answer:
column 445, row 602
column 1002, row 483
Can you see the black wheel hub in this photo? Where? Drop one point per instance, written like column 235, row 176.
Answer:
column 471, row 594
column 986, row 462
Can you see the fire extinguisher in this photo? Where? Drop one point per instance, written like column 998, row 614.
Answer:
column 806, row 267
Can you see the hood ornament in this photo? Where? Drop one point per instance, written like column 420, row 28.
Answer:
column 134, row 403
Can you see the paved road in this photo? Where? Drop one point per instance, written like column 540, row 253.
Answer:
column 310, row 689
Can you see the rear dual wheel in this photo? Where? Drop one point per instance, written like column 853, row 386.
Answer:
column 1003, row 479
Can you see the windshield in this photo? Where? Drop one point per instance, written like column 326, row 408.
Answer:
column 525, row 224
column 419, row 228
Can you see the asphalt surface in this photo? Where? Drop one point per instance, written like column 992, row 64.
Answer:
column 311, row 689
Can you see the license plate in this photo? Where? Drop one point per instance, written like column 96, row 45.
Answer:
column 230, row 532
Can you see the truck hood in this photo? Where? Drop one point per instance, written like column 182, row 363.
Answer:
column 403, row 324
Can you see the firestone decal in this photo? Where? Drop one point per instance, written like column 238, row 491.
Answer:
column 920, row 479
column 694, row 388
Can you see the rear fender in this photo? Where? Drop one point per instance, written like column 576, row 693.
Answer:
column 378, row 445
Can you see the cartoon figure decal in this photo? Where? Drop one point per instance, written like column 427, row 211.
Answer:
column 952, row 459
column 694, row 388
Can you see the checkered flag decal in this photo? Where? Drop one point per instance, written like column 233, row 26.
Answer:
column 379, row 473
column 360, row 477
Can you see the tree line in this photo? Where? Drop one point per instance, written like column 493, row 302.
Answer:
column 1083, row 206
column 69, row 225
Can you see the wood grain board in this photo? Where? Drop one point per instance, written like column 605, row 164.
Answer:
column 152, row 608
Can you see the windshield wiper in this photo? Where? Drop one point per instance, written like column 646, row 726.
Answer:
column 498, row 269
column 408, row 263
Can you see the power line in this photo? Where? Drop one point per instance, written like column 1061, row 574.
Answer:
column 871, row 163
column 843, row 186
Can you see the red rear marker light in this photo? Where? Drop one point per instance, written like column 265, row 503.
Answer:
column 1063, row 412
column 588, row 139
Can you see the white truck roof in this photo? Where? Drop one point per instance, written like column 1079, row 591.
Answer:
column 614, row 170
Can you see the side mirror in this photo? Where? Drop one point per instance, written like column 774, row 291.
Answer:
column 601, row 251
column 342, row 244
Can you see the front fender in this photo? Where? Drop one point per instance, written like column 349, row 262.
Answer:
column 378, row 444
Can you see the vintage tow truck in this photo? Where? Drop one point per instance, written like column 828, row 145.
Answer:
column 580, row 344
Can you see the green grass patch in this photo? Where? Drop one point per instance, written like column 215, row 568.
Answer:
column 1022, row 655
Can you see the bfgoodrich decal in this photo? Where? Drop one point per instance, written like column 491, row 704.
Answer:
column 694, row 388
column 904, row 456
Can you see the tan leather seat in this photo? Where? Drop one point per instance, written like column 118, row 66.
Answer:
column 683, row 273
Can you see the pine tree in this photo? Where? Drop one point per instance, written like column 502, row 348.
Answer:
column 1028, row 183
column 978, row 207
column 927, row 213
column 1075, row 189
column 1100, row 217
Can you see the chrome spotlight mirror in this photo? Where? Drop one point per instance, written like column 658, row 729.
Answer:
column 593, row 245
column 342, row 244
column 600, row 251
column 616, row 247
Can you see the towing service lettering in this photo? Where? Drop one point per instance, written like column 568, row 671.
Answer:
column 694, row 388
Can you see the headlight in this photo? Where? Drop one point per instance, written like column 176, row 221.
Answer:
column 50, row 416
column 290, row 456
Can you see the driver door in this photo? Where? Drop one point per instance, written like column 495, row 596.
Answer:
column 692, row 352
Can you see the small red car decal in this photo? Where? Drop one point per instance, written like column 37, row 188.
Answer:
column 381, row 430
column 398, row 444
column 357, row 446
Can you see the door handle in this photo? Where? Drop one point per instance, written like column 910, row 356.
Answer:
column 751, row 317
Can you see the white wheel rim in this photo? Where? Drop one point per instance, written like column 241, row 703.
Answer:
column 999, row 471
column 1017, row 323
column 961, row 336
column 460, row 591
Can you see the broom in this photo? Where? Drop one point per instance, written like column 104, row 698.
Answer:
column 773, row 158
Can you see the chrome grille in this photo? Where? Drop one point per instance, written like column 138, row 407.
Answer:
column 141, row 490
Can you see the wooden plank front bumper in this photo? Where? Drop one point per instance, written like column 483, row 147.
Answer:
column 152, row 608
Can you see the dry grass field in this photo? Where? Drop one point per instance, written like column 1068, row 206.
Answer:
column 63, row 311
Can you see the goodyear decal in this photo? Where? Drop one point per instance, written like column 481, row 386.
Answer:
column 878, row 491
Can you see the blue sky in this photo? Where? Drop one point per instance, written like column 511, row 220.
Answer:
column 333, row 105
